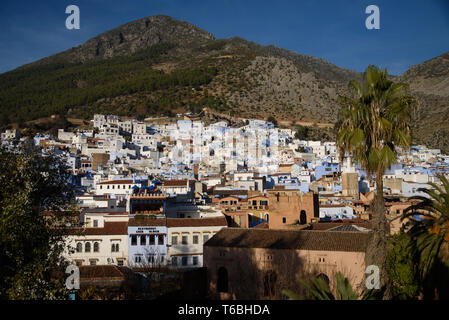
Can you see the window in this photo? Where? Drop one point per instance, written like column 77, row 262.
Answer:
column 79, row 263
column 284, row 220
column 195, row 239
column 152, row 239
column 195, row 261
column 160, row 239
column 205, row 237
column 151, row 259
column 303, row 217
column 95, row 223
column 79, row 247
column 143, row 240
column 174, row 239
column 137, row 259
column 87, row 247
column 96, row 247
column 184, row 239
column 174, row 261
column 184, row 261
column 93, row 262
column 134, row 240
column 113, row 247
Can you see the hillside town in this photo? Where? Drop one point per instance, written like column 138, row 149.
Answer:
column 233, row 206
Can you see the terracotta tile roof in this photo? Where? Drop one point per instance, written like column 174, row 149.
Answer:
column 329, row 225
column 110, row 228
column 174, row 183
column 108, row 211
column 230, row 192
column 196, row 222
column 235, row 213
column 340, row 205
column 133, row 222
column 286, row 239
column 102, row 272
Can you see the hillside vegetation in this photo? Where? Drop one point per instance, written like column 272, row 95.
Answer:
column 161, row 66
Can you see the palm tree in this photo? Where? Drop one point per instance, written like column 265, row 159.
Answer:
column 431, row 234
column 319, row 290
column 373, row 125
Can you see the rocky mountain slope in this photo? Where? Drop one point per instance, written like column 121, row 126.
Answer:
column 159, row 65
column 429, row 83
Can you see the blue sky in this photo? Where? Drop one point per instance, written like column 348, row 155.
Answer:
column 411, row 31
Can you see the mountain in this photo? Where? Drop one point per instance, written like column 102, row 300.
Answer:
column 134, row 37
column 429, row 83
column 159, row 65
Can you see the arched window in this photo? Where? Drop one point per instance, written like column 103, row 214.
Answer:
column 303, row 217
column 79, row 247
column 267, row 217
column 87, row 247
column 113, row 247
column 269, row 284
column 222, row 280
column 324, row 277
column 96, row 247
column 116, row 247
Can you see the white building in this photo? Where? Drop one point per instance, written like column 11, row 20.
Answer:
column 102, row 240
column 186, row 238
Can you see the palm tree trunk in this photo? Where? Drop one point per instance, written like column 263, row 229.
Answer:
column 377, row 248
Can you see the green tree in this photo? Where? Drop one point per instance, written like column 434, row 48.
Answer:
column 431, row 235
column 319, row 289
column 374, row 123
column 272, row 120
column 301, row 132
column 402, row 271
column 31, row 241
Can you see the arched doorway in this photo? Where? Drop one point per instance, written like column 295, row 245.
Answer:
column 303, row 217
column 324, row 277
column 222, row 280
column 269, row 284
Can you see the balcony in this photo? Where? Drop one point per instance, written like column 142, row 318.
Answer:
column 148, row 212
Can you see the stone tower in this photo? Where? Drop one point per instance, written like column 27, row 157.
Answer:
column 350, row 180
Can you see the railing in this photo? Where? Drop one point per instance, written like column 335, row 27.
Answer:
column 148, row 212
